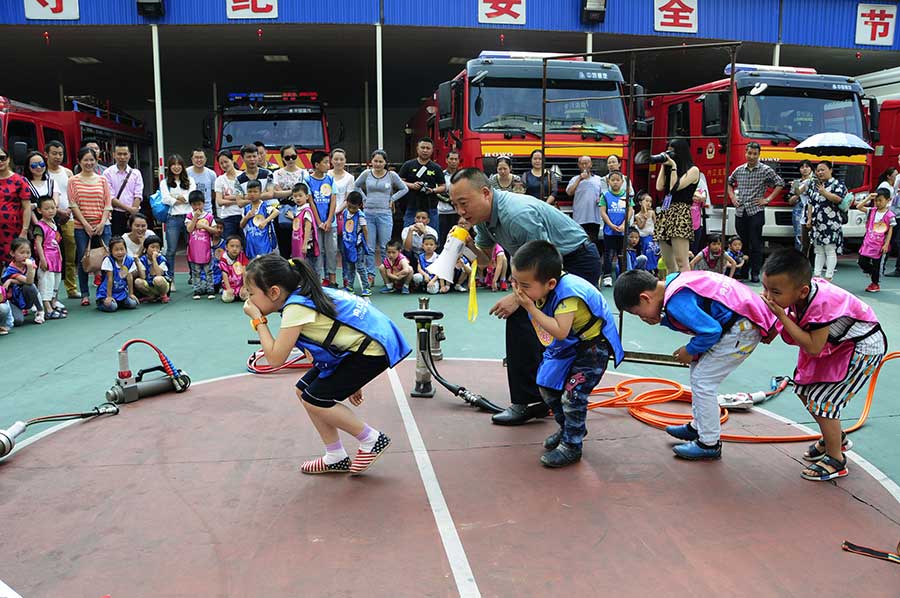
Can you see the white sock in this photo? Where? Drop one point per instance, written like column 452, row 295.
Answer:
column 367, row 438
column 334, row 453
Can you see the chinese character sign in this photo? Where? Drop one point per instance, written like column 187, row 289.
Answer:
column 60, row 10
column 251, row 9
column 875, row 24
column 501, row 12
column 675, row 15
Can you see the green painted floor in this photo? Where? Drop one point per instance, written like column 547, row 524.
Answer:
column 67, row 365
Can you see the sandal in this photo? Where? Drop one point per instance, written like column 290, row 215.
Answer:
column 54, row 315
column 4, row 331
column 817, row 449
column 837, row 469
column 319, row 466
column 85, row 302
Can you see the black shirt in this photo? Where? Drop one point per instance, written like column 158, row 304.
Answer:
column 431, row 174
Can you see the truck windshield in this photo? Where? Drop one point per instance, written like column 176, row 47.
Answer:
column 515, row 104
column 275, row 132
column 799, row 113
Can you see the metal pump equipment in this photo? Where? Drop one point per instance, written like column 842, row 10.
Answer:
column 426, row 333
column 129, row 388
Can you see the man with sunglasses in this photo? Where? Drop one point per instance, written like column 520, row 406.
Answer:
column 285, row 179
column 203, row 177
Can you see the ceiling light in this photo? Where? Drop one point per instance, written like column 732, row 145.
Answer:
column 458, row 60
column 84, row 60
column 276, row 58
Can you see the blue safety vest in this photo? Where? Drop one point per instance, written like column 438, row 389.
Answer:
column 120, row 283
column 616, row 208
column 354, row 242
column 358, row 314
column 560, row 354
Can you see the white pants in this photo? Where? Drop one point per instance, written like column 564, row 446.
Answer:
column 733, row 348
column 826, row 257
column 48, row 284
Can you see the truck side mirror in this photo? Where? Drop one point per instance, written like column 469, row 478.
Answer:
column 712, row 115
column 208, row 131
column 874, row 118
column 640, row 102
column 341, row 133
column 641, row 128
column 445, row 106
column 19, row 151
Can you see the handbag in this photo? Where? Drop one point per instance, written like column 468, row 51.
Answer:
column 160, row 209
column 94, row 255
column 844, row 207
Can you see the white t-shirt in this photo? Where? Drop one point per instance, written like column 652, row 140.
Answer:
column 341, row 188
column 133, row 248
column 61, row 186
column 108, row 263
column 223, row 182
column 416, row 243
column 169, row 195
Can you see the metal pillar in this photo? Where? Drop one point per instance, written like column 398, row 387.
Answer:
column 157, row 98
column 379, row 86
column 423, row 388
column 589, row 46
column 367, row 127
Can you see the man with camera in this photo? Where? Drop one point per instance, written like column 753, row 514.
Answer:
column 747, row 191
column 425, row 179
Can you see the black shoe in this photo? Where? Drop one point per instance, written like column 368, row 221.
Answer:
column 552, row 441
column 564, row 454
column 894, row 274
column 516, row 414
column 755, row 278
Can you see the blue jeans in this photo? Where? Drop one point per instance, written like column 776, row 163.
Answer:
column 570, row 404
column 126, row 303
column 231, row 225
column 409, row 217
column 6, row 316
column 796, row 216
column 351, row 269
column 81, row 243
column 175, row 229
column 379, row 226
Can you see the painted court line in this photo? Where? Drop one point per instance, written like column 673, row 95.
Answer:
column 7, row 592
column 459, row 563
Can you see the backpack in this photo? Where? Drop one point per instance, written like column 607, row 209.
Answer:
column 160, row 210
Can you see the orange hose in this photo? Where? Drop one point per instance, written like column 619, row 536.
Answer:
column 640, row 408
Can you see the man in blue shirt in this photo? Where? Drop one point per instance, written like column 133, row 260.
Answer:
column 513, row 219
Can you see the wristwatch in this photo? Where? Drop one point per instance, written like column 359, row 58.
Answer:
column 257, row 321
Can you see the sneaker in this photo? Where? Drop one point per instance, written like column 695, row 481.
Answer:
column 364, row 460
column 326, row 282
column 172, row 287
column 349, row 289
column 873, row 288
column 164, row 299
column 562, row 455
column 607, row 281
column 197, row 296
column 504, row 286
column 693, row 451
column 460, row 288
column 210, row 296
column 39, row 317
column 404, row 290
column 366, row 292
column 683, row 432
column 386, row 290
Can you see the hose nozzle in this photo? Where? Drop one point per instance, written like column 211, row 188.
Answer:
column 8, row 438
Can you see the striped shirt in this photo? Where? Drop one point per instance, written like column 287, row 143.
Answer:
column 751, row 185
column 93, row 198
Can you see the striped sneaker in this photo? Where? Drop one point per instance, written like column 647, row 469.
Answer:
column 319, row 466
column 364, row 459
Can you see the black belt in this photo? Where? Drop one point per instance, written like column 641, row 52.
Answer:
column 586, row 245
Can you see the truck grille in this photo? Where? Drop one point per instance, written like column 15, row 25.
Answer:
column 783, row 218
column 568, row 167
column 852, row 175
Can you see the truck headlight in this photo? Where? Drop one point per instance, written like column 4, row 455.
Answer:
column 860, row 196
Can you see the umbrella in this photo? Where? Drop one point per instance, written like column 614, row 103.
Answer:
column 834, row 144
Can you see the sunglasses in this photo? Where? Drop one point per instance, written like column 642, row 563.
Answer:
column 4, row 158
column 289, row 158
column 38, row 165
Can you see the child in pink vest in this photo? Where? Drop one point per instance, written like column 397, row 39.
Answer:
column 726, row 321
column 49, row 272
column 199, row 224
column 233, row 264
column 304, row 232
column 880, row 223
column 841, row 345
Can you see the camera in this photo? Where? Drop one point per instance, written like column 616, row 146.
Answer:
column 663, row 157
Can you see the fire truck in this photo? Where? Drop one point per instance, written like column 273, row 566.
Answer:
column 25, row 127
column 777, row 107
column 493, row 108
column 885, row 86
column 275, row 118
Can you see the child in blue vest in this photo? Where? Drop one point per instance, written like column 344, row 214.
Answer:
column 217, row 248
column 350, row 342
column 354, row 248
column 726, row 320
column 257, row 223
column 575, row 325
column 154, row 275
column 116, row 288
column 615, row 209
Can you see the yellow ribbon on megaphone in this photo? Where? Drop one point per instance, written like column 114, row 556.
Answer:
column 462, row 235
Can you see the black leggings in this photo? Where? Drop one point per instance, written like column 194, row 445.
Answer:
column 872, row 266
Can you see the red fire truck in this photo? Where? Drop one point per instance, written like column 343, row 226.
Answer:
column 275, row 118
column 778, row 107
column 493, row 108
column 24, row 127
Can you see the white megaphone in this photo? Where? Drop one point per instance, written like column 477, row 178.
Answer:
column 454, row 247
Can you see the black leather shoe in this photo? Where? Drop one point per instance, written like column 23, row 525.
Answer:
column 516, row 414
column 561, row 456
column 552, row 441
column 754, row 278
column 894, row 274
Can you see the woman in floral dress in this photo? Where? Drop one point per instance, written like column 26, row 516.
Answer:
column 824, row 218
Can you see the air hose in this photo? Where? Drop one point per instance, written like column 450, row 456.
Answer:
column 641, row 407
column 297, row 360
column 8, row 436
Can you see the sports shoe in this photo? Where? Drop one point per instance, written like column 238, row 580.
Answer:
column 349, row 289
column 683, row 432
column 39, row 317
column 873, row 288
column 692, row 451
column 197, row 296
column 504, row 286
column 364, row 459
column 164, row 299
column 210, row 296
column 386, row 290
column 366, row 292
column 404, row 290
column 607, row 281
column 460, row 288
column 318, row 466
column 326, row 282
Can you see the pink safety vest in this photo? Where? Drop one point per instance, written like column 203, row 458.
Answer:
column 874, row 240
column 732, row 294
column 828, row 305
column 298, row 225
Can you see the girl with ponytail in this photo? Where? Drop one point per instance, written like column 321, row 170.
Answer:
column 350, row 342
